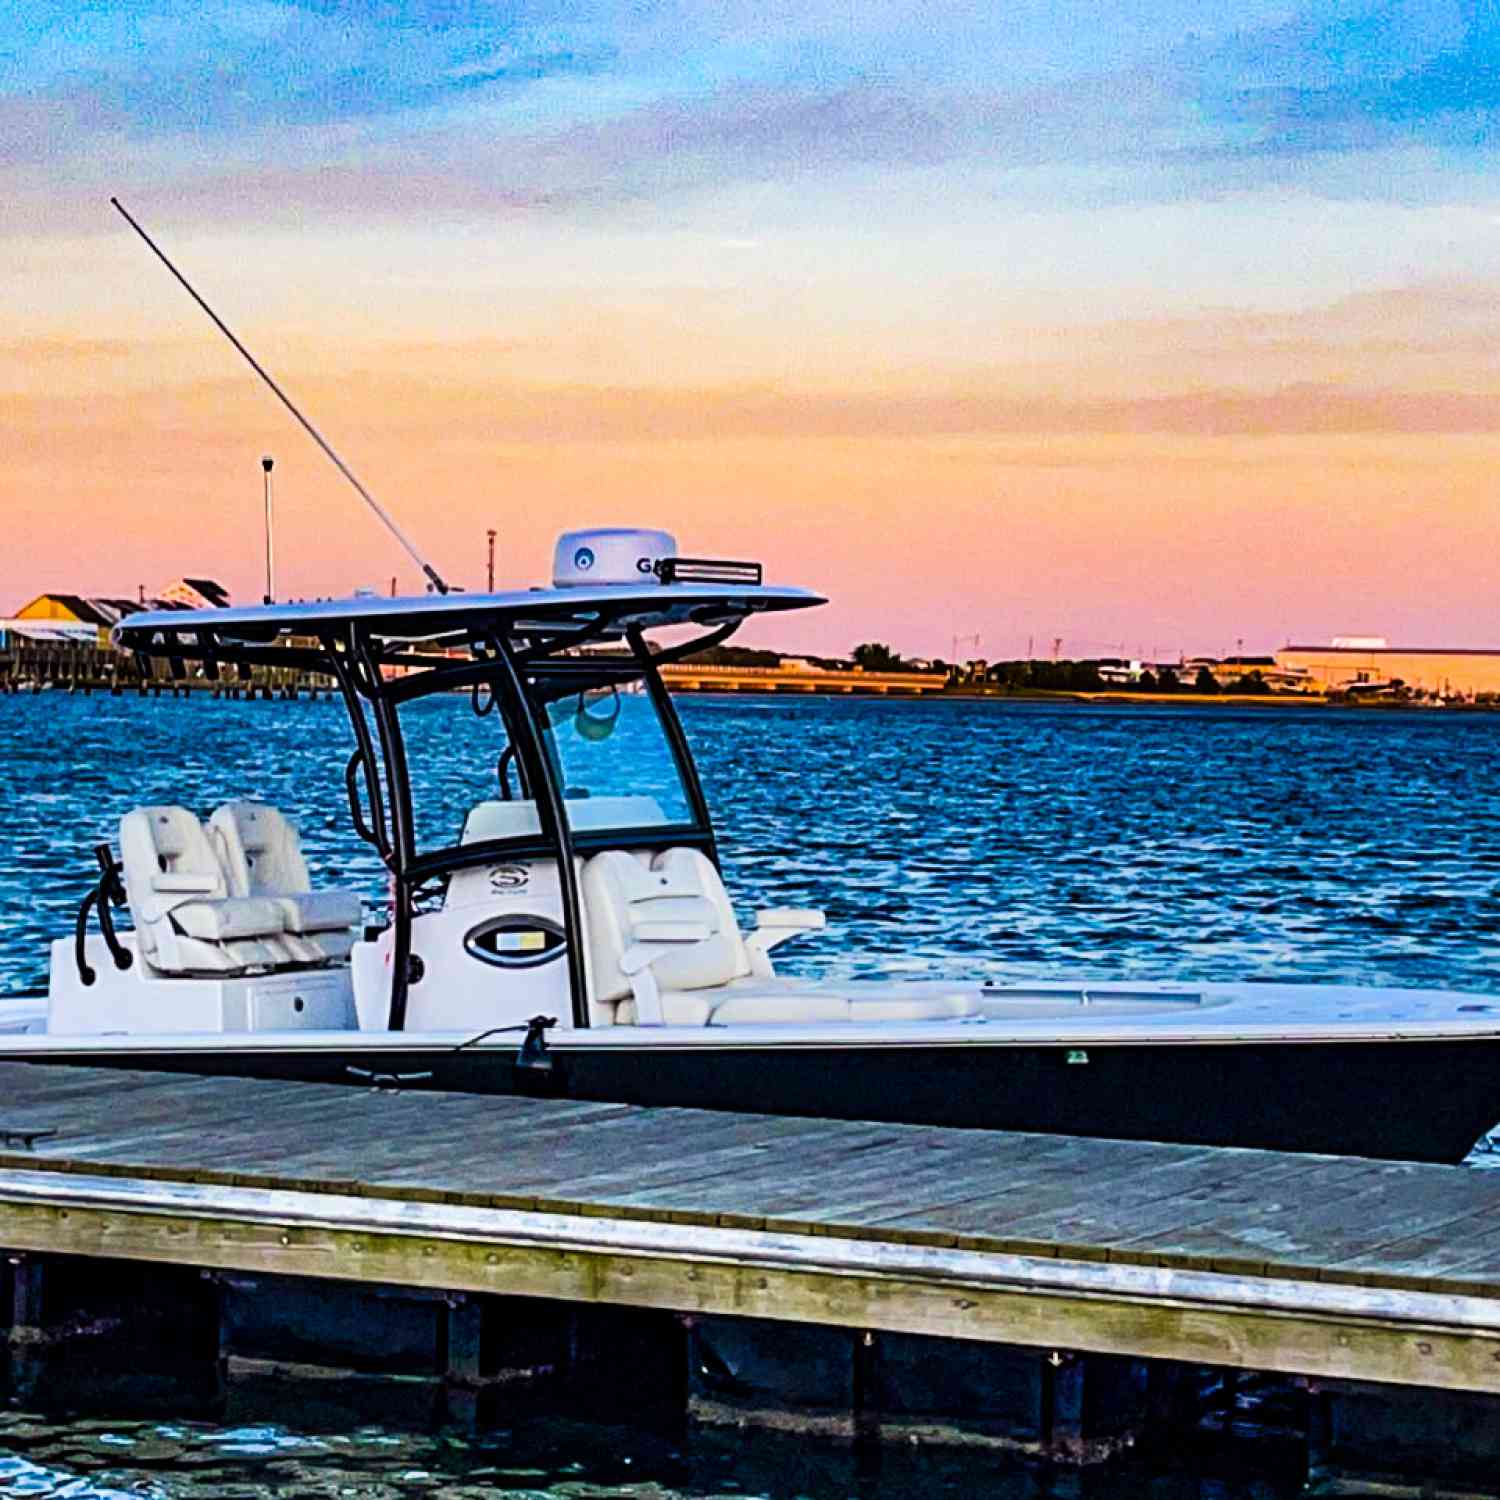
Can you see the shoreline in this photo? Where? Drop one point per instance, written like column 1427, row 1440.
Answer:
column 257, row 692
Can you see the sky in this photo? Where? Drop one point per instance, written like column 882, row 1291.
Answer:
column 1100, row 328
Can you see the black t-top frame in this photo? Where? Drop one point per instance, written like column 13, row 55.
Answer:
column 521, row 658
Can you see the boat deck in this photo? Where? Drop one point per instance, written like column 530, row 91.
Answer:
column 1320, row 1265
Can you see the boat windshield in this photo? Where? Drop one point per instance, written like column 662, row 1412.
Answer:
column 455, row 759
column 610, row 754
column 598, row 726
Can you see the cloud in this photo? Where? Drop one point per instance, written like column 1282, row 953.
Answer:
column 1400, row 71
column 159, row 71
column 496, row 416
column 473, row 107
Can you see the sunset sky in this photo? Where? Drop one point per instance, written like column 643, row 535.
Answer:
column 1146, row 327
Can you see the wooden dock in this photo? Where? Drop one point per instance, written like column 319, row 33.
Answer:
column 1317, row 1266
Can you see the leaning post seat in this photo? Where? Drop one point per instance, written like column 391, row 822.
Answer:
column 261, row 852
column 655, row 928
column 186, row 920
column 664, row 948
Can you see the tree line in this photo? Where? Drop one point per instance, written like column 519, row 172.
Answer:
column 1084, row 677
column 1018, row 676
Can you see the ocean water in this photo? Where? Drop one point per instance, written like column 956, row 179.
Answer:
column 552, row 1458
column 957, row 839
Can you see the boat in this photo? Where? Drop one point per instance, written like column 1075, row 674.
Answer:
column 558, row 923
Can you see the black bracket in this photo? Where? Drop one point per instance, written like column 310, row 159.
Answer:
column 533, row 1056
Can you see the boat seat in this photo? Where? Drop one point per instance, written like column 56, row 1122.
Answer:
column 501, row 820
column 664, row 949
column 661, row 928
column 653, row 926
column 261, row 852
column 186, row 919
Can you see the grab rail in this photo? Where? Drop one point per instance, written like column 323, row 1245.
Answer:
column 109, row 892
column 356, row 806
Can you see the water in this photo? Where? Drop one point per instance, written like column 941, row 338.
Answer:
column 543, row 1459
column 957, row 839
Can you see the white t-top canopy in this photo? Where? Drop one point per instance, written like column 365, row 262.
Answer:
column 439, row 616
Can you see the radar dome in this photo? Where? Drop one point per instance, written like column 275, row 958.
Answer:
column 609, row 555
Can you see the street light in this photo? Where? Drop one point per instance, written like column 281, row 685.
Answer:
column 266, row 465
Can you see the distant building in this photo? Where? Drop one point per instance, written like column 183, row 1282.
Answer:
column 1118, row 669
column 1438, row 671
column 86, row 617
column 1278, row 675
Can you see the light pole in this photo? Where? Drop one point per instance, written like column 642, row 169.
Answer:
column 490, row 534
column 266, row 465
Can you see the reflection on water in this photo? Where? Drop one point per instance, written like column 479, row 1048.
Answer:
column 553, row 1459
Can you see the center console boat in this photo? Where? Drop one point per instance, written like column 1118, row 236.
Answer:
column 558, row 922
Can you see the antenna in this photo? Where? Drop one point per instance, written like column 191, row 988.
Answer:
column 964, row 640
column 317, row 437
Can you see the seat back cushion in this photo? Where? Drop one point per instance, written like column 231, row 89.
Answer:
column 261, row 849
column 519, row 818
column 626, row 899
column 683, row 865
column 161, row 850
column 501, row 820
column 604, row 892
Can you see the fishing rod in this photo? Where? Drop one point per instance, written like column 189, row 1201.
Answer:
column 286, row 401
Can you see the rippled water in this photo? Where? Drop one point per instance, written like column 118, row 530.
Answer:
column 544, row 1459
column 958, row 838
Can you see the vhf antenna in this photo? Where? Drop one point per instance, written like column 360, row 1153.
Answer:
column 286, row 401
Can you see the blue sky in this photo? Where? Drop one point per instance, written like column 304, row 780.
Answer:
column 564, row 107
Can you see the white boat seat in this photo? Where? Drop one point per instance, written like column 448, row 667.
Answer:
column 220, row 921
column 661, row 926
column 186, row 920
column 952, row 1006
column 501, row 820
column 262, row 857
column 654, row 927
column 321, row 911
column 756, row 1002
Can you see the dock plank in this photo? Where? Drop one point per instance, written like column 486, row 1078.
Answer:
column 1335, row 1220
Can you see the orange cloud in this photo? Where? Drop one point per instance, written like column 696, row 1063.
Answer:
column 1184, row 514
